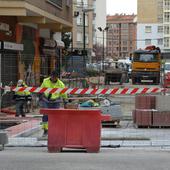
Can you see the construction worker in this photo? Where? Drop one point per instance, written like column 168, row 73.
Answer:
column 49, row 100
column 20, row 98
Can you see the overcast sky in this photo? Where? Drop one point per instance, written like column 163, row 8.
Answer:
column 121, row 6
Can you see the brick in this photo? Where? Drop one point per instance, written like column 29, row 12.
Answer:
column 161, row 118
column 143, row 117
column 145, row 102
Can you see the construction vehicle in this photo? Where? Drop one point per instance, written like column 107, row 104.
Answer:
column 146, row 66
column 120, row 73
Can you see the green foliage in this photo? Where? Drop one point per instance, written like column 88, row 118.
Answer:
column 92, row 73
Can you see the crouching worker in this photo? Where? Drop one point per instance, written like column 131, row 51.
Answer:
column 20, row 98
column 53, row 100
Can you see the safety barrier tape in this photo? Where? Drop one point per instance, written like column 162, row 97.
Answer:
column 94, row 91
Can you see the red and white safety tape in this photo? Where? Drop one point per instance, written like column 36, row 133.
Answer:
column 95, row 91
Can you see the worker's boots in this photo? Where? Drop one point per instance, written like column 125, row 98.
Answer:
column 45, row 132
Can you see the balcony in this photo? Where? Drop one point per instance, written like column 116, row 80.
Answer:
column 53, row 14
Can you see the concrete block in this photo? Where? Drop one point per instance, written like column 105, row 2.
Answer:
column 3, row 139
column 163, row 103
column 113, row 110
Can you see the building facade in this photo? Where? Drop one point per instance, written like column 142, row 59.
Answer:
column 80, row 8
column 121, row 36
column 153, row 26
column 28, row 41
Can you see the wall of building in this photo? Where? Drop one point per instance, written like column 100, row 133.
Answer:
column 64, row 12
column 121, row 37
column 147, row 11
column 78, row 36
column 154, row 36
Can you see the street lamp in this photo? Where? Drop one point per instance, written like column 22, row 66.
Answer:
column 103, row 30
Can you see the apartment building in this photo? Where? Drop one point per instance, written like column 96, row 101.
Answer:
column 121, row 36
column 153, row 26
column 30, row 37
column 84, row 16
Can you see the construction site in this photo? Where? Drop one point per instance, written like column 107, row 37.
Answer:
column 131, row 115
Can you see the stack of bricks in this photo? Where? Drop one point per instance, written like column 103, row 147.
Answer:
column 152, row 111
column 144, row 105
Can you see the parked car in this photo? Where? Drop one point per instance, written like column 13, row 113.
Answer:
column 167, row 68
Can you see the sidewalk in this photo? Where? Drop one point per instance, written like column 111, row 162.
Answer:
column 126, row 136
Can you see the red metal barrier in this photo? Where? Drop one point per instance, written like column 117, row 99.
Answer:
column 72, row 128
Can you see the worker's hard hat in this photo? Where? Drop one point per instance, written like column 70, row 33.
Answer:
column 20, row 82
column 54, row 73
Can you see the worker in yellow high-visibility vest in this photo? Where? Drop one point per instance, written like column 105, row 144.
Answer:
column 21, row 98
column 51, row 100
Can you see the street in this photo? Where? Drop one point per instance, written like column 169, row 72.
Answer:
column 108, row 159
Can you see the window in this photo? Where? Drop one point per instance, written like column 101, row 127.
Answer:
column 124, row 49
column 166, row 42
column 167, row 4
column 125, row 26
column 167, row 17
column 160, row 41
column 114, row 26
column 124, row 42
column 160, row 11
column 145, row 57
column 57, row 3
column 87, row 38
column 79, row 20
column 79, row 37
column 160, row 29
column 147, row 41
column 82, row 3
column 148, row 29
column 166, row 29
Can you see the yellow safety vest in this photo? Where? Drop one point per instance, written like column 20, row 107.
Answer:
column 22, row 93
column 47, row 83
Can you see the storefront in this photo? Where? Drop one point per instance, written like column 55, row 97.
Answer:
column 8, row 53
column 51, row 56
column 9, row 68
column 29, row 59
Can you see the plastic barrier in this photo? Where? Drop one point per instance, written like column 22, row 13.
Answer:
column 95, row 91
column 72, row 128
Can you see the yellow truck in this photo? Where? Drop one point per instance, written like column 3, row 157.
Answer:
column 146, row 66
